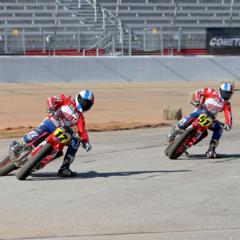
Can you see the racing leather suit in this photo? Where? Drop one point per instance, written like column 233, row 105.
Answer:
column 62, row 108
column 210, row 99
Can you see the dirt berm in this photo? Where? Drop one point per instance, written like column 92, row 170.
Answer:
column 117, row 105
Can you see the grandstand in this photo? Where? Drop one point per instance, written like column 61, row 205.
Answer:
column 111, row 26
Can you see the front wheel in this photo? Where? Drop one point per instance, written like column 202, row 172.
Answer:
column 6, row 166
column 178, row 147
column 27, row 168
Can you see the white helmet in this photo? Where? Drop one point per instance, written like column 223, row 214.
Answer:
column 84, row 100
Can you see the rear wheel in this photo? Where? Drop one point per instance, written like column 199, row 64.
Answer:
column 6, row 166
column 27, row 168
column 178, row 147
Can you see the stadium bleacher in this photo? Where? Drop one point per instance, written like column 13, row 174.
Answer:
column 142, row 25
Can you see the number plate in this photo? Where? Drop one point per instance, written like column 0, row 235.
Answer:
column 62, row 135
column 204, row 121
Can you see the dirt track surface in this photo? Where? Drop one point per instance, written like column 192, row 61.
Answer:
column 117, row 105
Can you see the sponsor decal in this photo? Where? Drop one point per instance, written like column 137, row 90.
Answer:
column 225, row 42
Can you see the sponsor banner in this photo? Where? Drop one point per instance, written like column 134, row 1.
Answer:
column 223, row 41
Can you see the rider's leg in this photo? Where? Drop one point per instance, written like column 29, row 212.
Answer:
column 183, row 123
column 217, row 133
column 45, row 126
column 65, row 170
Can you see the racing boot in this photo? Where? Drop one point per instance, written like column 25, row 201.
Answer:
column 171, row 136
column 65, row 171
column 211, row 153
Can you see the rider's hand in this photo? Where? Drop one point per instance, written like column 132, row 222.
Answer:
column 226, row 127
column 196, row 103
column 87, row 147
column 51, row 112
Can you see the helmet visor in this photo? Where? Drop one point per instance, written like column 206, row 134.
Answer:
column 225, row 94
column 85, row 103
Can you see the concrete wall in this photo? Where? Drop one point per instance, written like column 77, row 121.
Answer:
column 153, row 68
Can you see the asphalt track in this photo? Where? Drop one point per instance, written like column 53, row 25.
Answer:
column 127, row 189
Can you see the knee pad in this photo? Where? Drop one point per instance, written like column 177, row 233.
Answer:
column 183, row 122
column 30, row 136
column 74, row 143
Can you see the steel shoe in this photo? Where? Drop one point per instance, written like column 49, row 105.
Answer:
column 66, row 172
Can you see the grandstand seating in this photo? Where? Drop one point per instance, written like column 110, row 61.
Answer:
column 77, row 28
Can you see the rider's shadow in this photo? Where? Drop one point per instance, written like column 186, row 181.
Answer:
column 93, row 174
column 220, row 158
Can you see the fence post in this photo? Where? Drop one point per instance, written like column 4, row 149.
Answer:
column 23, row 41
column 44, row 42
column 179, row 39
column 161, row 41
column 144, row 40
column 78, row 43
column 113, row 46
column 5, row 41
column 122, row 40
column 129, row 42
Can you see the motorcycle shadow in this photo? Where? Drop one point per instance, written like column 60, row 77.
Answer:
column 93, row 174
column 221, row 157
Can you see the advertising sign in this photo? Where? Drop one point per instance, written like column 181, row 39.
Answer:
column 223, row 41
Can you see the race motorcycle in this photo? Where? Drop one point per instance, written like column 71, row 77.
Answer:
column 195, row 132
column 18, row 157
column 37, row 154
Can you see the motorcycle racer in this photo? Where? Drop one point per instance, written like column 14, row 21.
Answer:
column 67, row 112
column 214, row 101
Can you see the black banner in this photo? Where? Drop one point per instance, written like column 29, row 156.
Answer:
column 223, row 41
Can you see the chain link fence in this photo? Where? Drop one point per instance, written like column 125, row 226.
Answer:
column 151, row 40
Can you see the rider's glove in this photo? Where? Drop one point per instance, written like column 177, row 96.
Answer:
column 196, row 103
column 51, row 112
column 87, row 147
column 226, row 127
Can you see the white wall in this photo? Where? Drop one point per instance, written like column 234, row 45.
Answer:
column 147, row 68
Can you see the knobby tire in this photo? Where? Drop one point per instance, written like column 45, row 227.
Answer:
column 172, row 151
column 27, row 168
column 6, row 166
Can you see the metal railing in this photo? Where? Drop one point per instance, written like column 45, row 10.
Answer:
column 110, row 23
column 156, row 39
column 98, row 45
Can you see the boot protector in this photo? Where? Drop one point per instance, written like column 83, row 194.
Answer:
column 66, row 172
column 211, row 153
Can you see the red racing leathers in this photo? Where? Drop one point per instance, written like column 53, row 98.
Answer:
column 64, row 109
column 212, row 100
